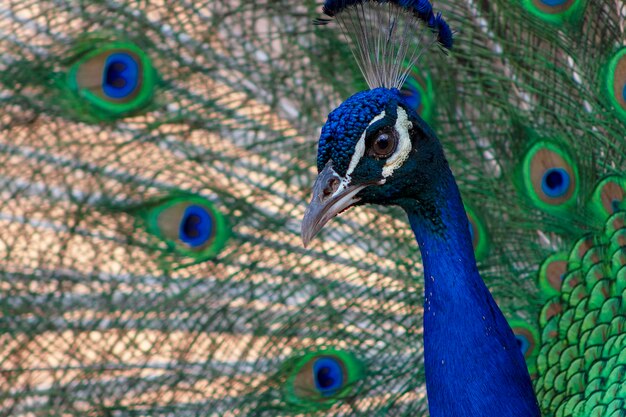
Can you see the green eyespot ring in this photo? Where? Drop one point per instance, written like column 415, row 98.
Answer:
column 551, row 274
column 478, row 233
column 550, row 177
column 419, row 95
column 556, row 11
column 615, row 82
column 191, row 226
column 116, row 78
column 317, row 380
column 607, row 197
column 528, row 340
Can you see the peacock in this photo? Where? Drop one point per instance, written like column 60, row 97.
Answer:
column 374, row 148
column 158, row 157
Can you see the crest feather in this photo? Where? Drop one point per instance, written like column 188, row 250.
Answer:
column 388, row 37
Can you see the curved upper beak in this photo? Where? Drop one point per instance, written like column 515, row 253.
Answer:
column 331, row 195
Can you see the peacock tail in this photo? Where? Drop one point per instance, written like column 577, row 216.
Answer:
column 155, row 160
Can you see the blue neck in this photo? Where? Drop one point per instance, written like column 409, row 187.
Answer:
column 472, row 360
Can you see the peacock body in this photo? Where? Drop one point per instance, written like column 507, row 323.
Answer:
column 156, row 160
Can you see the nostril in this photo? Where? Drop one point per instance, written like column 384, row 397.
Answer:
column 331, row 187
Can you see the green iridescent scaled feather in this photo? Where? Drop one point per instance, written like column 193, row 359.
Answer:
column 581, row 364
column 551, row 274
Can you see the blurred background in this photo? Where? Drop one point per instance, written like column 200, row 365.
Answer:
column 156, row 158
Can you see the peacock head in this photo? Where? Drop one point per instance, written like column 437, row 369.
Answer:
column 373, row 149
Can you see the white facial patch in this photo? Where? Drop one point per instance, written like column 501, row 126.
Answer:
column 403, row 126
column 359, row 149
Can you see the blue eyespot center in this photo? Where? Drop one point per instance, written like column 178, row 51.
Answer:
column 555, row 182
column 328, row 376
column 624, row 93
column 615, row 205
column 120, row 75
column 522, row 343
column 554, row 3
column 196, row 226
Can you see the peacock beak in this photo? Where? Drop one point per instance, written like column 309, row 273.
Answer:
column 331, row 195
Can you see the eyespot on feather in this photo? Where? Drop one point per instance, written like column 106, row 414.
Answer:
column 418, row 94
column 551, row 274
column 479, row 234
column 615, row 82
column 607, row 196
column 556, row 11
column 550, row 177
column 117, row 78
column 528, row 340
column 317, row 380
column 191, row 226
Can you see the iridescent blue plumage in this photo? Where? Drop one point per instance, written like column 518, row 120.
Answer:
column 444, row 33
column 346, row 123
column 375, row 149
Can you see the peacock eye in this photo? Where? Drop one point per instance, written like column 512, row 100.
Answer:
column 112, row 80
column 190, row 225
column 317, row 380
column 384, row 144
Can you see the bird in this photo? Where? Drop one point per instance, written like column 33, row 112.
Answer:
column 375, row 149
column 157, row 159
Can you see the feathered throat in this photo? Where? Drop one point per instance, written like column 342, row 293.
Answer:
column 388, row 37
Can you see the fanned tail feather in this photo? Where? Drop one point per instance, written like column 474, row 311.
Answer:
column 119, row 299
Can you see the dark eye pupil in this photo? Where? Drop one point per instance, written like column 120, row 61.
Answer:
column 191, row 225
column 382, row 142
column 325, row 378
